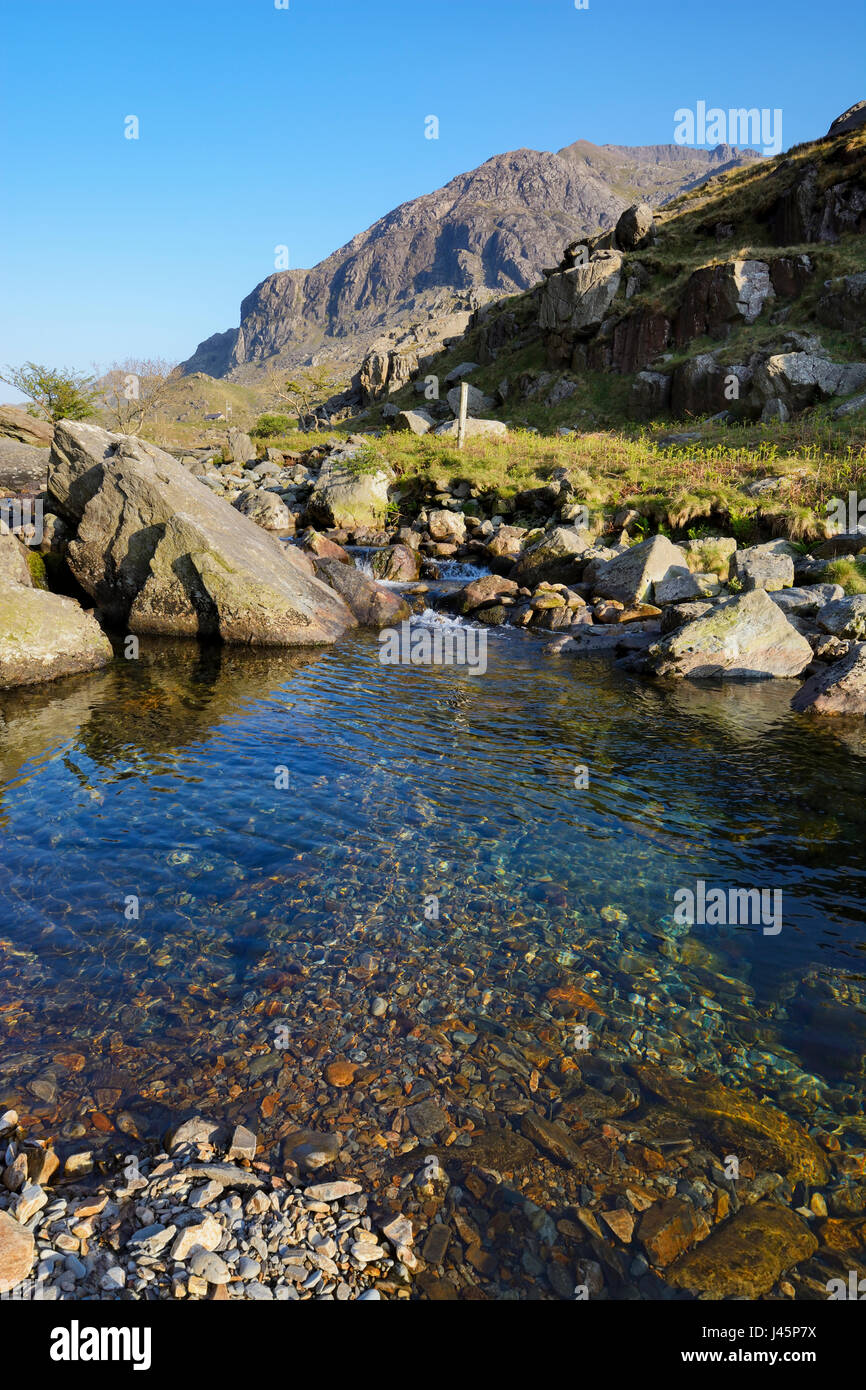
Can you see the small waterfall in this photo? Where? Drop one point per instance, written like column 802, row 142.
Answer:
column 460, row 571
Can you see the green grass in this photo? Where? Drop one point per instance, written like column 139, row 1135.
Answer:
column 851, row 574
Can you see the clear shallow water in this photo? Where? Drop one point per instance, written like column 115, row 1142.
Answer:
column 156, row 780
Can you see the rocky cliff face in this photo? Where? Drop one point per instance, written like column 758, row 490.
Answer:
column 716, row 305
column 487, row 233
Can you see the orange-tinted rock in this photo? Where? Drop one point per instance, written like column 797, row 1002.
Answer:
column 569, row 999
column 669, row 1229
column 844, row 1235
column 745, row 1257
column 481, row 1260
column 734, row 1122
column 42, row 1164
column 72, row 1061
column 550, row 1137
column 621, row 1222
column 340, row 1073
column 17, row 1252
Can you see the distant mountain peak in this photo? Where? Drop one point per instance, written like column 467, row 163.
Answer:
column 487, row 232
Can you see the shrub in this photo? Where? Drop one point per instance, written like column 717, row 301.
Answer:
column 267, row 426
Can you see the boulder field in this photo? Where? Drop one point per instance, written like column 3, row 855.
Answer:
column 191, row 548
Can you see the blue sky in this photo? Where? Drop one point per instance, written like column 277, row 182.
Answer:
column 262, row 127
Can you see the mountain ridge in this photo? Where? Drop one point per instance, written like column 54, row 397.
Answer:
column 486, row 233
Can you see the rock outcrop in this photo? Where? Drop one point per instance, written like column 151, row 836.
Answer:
column 744, row 638
column 718, row 295
column 488, row 232
column 159, row 552
column 15, row 423
column 574, row 302
column 840, row 689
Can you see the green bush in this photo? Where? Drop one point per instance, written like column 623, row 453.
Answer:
column 267, row 426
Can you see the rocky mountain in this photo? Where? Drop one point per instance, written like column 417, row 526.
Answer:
column 743, row 299
column 433, row 260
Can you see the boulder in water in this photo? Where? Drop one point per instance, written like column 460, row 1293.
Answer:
column 371, row 604
column 745, row 638
column 162, row 554
column 43, row 636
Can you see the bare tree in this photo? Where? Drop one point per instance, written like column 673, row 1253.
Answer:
column 303, row 393
column 135, row 389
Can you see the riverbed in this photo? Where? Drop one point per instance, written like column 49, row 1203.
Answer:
column 223, row 870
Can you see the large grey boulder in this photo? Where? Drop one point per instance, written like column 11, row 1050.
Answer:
column 805, row 602
column 13, row 561
column 630, row 577
column 474, row 428
column 445, row 525
column 415, row 421
column 346, row 498
column 267, row 510
column 553, row 557
column 43, row 636
column 762, row 567
column 574, row 302
column 476, row 401
column 398, row 563
column 681, row 585
column 161, row 553
column 800, row 379
column 635, row 228
column 745, row 638
column 240, row 448
column 844, row 617
column 841, row 689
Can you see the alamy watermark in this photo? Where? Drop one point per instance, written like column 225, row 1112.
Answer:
column 22, row 516
column 736, row 126
column 732, row 907
column 847, row 517
column 854, row 1290
column 410, row 645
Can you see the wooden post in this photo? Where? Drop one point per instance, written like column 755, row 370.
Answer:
column 461, row 418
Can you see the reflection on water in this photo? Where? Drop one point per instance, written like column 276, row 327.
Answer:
column 168, row 893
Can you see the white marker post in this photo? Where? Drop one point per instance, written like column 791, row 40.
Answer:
column 461, row 418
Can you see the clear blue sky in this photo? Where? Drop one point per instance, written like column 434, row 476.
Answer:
column 262, row 126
